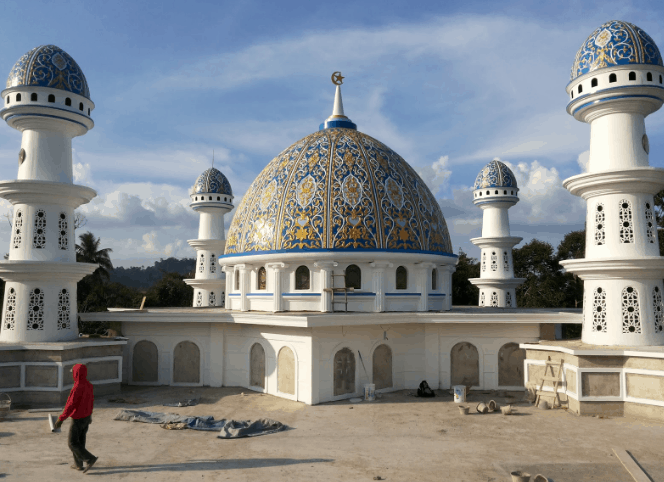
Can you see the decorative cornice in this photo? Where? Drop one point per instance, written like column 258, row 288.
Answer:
column 498, row 242
column 648, row 267
column 646, row 180
column 17, row 271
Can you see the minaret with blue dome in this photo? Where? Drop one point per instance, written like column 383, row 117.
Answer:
column 496, row 191
column 47, row 98
column 615, row 83
column 212, row 198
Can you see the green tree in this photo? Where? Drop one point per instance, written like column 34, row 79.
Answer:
column 91, row 291
column 573, row 246
column 464, row 293
column 544, row 283
column 170, row 291
column 88, row 251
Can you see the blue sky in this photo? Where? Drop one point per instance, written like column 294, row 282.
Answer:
column 449, row 86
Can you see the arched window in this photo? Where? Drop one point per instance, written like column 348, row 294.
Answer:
column 649, row 77
column 218, row 198
column 18, row 97
column 612, row 78
column 593, row 83
column 51, row 98
column 80, row 106
column 580, row 88
column 33, row 97
column 572, row 94
column 68, row 101
column 660, row 79
column 632, row 76
column 434, row 279
column 261, row 279
column 88, row 111
column 402, row 278
column 353, row 277
column 209, row 198
column 237, row 280
column 8, row 99
column 302, row 278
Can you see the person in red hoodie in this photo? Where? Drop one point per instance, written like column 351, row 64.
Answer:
column 79, row 407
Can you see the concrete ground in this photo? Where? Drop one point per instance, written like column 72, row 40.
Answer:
column 397, row 438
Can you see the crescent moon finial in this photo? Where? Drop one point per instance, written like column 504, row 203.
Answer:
column 337, row 79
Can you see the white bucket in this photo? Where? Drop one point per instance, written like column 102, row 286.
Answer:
column 370, row 392
column 459, row 393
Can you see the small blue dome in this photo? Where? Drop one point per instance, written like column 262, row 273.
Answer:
column 615, row 43
column 213, row 181
column 49, row 66
column 495, row 174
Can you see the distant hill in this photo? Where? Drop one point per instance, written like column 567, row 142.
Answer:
column 144, row 278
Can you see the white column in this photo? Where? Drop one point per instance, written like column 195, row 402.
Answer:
column 423, row 271
column 244, row 271
column 379, row 284
column 277, row 272
column 228, row 270
column 326, row 268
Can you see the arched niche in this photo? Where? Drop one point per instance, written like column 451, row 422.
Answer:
column 353, row 277
column 286, row 371
column 382, row 367
column 465, row 361
column 257, row 366
column 145, row 362
column 510, row 365
column 344, row 372
column 186, row 363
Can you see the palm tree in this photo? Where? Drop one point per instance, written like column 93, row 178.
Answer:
column 88, row 252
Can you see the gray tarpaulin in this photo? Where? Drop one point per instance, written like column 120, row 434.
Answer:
column 228, row 428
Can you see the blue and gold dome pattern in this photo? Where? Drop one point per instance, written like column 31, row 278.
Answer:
column 615, row 43
column 212, row 181
column 338, row 189
column 49, row 66
column 495, row 174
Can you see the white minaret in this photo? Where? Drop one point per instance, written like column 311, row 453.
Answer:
column 616, row 82
column 211, row 197
column 495, row 192
column 48, row 100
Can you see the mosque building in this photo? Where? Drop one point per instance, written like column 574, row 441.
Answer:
column 336, row 270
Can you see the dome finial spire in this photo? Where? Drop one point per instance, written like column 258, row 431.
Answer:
column 338, row 117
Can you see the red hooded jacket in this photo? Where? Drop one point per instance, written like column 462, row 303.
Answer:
column 81, row 398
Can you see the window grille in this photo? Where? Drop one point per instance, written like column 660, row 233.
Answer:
column 630, row 311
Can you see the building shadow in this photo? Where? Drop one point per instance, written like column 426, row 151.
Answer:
column 216, row 465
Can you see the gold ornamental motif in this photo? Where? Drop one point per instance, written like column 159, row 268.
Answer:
column 338, row 189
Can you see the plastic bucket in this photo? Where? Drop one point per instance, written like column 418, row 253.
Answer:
column 370, row 392
column 459, row 393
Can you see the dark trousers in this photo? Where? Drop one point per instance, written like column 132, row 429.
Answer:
column 77, row 434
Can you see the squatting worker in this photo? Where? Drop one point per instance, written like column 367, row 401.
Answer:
column 79, row 408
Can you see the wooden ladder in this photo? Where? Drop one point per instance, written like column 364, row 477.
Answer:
column 343, row 290
column 556, row 380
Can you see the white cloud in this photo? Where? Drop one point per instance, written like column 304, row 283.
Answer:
column 437, row 175
column 583, row 159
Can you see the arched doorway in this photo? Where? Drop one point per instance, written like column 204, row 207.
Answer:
column 382, row 367
column 510, row 365
column 145, row 362
column 286, row 371
column 257, row 366
column 186, row 363
column 465, row 364
column 344, row 372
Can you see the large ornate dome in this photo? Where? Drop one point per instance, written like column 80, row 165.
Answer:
column 338, row 189
column 495, row 174
column 49, row 66
column 212, row 181
column 615, row 43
